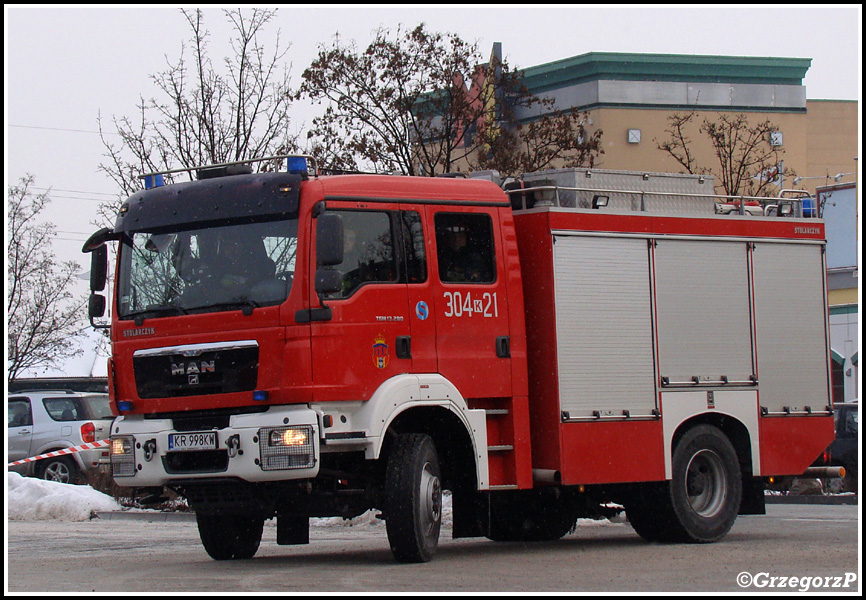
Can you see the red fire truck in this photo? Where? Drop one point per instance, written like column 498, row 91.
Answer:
column 287, row 345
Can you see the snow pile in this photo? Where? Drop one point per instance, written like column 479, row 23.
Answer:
column 31, row 499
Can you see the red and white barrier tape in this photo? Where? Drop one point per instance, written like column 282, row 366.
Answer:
column 89, row 446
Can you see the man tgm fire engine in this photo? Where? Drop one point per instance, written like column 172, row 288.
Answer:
column 288, row 345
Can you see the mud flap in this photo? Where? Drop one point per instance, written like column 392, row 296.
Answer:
column 752, row 502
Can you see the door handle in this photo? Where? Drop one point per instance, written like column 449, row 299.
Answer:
column 404, row 346
column 503, row 346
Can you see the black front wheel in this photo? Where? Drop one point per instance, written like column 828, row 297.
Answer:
column 227, row 537
column 413, row 498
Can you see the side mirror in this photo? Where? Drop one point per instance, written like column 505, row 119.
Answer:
column 329, row 239
column 98, row 268
column 95, row 306
column 98, row 239
column 328, row 281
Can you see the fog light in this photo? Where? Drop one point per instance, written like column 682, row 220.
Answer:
column 289, row 437
column 122, row 456
column 286, row 448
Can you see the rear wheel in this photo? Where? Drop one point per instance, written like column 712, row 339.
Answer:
column 701, row 501
column 61, row 469
column 413, row 498
column 227, row 537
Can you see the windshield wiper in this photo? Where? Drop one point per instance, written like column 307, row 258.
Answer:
column 246, row 306
column 155, row 310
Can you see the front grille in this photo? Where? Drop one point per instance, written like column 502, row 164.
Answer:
column 178, row 372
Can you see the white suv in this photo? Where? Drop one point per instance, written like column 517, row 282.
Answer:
column 46, row 421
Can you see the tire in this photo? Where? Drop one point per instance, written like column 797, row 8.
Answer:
column 646, row 515
column 701, row 501
column 61, row 469
column 413, row 498
column 229, row 537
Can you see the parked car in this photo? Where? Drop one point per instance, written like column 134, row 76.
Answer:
column 843, row 451
column 750, row 208
column 45, row 421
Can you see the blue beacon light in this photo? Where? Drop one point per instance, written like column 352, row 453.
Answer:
column 296, row 165
column 152, row 181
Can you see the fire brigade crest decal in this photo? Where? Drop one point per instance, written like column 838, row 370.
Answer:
column 380, row 352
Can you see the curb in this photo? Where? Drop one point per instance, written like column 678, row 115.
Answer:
column 150, row 517
column 805, row 499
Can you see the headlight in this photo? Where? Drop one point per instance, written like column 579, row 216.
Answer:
column 286, row 448
column 122, row 456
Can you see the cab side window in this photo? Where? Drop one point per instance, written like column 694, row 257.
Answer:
column 413, row 247
column 464, row 248
column 368, row 251
column 19, row 412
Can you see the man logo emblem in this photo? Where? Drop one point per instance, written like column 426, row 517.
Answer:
column 193, row 379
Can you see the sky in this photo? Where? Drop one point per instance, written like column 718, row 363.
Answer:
column 67, row 65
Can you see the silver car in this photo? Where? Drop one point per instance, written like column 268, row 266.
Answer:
column 46, row 421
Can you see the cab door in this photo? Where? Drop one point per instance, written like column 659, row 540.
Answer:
column 472, row 325
column 367, row 339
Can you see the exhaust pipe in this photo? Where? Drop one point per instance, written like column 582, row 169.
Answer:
column 546, row 476
column 823, row 472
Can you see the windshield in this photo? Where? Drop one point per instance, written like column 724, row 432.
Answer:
column 201, row 270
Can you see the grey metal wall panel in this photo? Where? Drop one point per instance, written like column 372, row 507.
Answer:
column 709, row 94
column 839, row 211
column 603, row 326
column 790, row 326
column 704, row 315
column 643, row 92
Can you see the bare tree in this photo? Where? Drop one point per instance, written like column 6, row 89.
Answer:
column 206, row 114
column 44, row 318
column 748, row 164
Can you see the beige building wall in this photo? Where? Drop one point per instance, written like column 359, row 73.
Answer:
column 816, row 143
column 832, row 140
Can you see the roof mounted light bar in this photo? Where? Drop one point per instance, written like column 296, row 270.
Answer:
column 293, row 163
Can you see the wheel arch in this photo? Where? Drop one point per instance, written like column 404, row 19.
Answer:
column 736, row 432
column 458, row 458
column 75, row 457
column 734, row 413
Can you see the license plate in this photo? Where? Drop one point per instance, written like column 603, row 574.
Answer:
column 202, row 440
